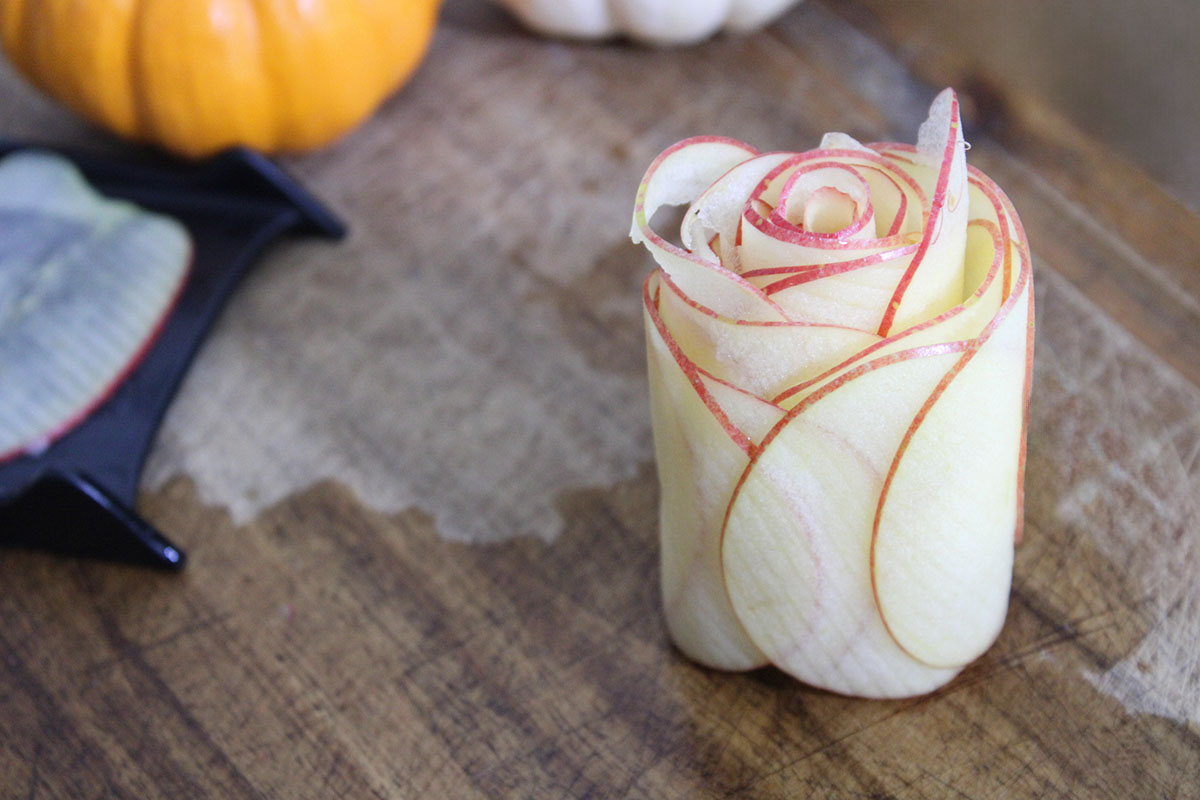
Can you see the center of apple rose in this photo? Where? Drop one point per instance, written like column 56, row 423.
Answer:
column 828, row 210
column 828, row 200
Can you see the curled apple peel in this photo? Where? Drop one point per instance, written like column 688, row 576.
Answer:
column 840, row 364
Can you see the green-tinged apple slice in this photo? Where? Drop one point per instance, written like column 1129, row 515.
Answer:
column 943, row 549
column 85, row 284
column 797, row 540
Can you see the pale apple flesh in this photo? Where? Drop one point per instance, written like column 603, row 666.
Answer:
column 840, row 360
column 802, row 502
column 695, row 434
column 86, row 284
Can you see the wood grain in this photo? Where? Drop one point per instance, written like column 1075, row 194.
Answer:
column 1129, row 244
column 1121, row 72
column 327, row 640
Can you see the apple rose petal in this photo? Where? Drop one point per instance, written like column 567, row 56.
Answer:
column 772, row 241
column 717, row 212
column 836, row 140
column 985, row 255
column 809, row 606
column 678, row 176
column 840, row 360
column 943, row 543
column 851, row 293
column 933, row 282
column 702, row 441
column 763, row 357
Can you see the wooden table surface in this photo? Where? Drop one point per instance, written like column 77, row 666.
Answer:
column 413, row 474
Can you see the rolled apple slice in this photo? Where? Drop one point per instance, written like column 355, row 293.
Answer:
column 840, row 358
column 676, row 177
column 986, row 255
column 85, row 284
column 891, row 280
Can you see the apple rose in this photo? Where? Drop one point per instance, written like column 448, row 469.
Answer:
column 840, row 358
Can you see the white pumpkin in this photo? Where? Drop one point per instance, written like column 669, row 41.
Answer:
column 661, row 22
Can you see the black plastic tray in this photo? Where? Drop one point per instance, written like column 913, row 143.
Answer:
column 77, row 496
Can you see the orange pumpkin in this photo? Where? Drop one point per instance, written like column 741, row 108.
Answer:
column 195, row 76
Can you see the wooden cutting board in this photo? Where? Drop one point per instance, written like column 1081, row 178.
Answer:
column 414, row 477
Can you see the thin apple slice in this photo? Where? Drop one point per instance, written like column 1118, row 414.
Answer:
column 853, row 297
column 678, row 177
column 763, row 358
column 717, row 212
column 698, row 446
column 934, row 281
column 767, row 244
column 85, row 284
column 796, row 542
column 830, row 200
column 987, row 254
column 749, row 413
column 943, row 546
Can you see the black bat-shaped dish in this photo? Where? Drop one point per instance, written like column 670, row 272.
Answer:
column 76, row 496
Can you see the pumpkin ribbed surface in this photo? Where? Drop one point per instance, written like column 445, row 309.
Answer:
column 195, row 76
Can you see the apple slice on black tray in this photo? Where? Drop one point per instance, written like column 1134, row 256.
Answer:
column 85, row 284
column 110, row 275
